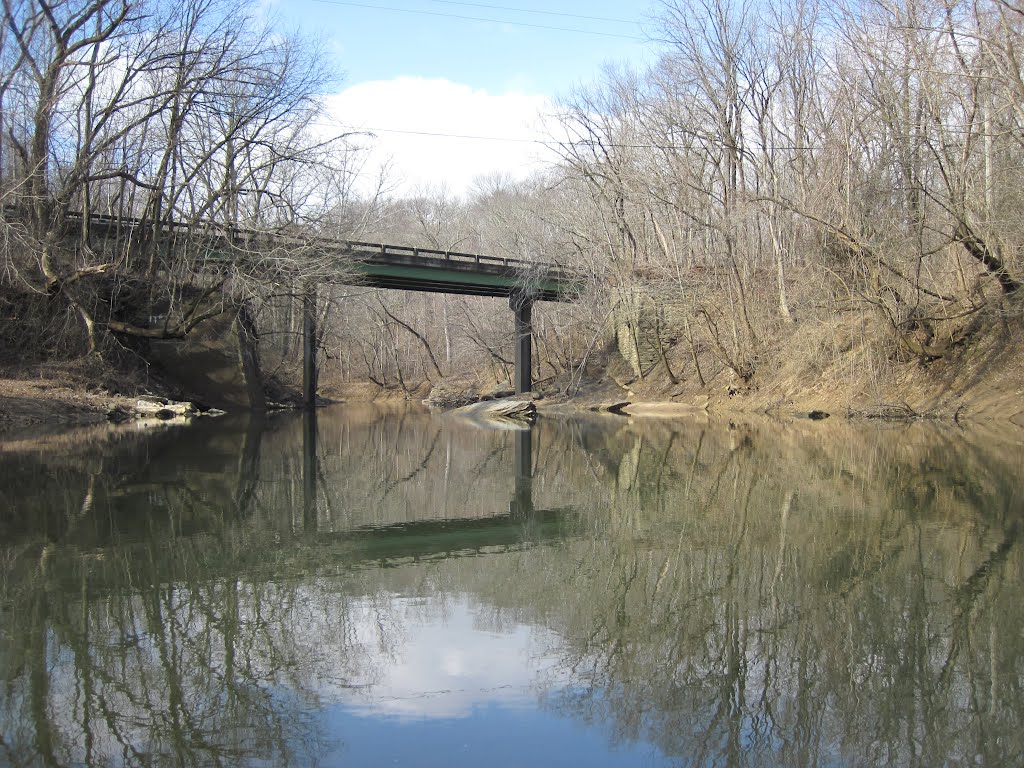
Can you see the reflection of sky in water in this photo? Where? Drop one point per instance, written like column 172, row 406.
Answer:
column 452, row 691
column 445, row 664
column 491, row 736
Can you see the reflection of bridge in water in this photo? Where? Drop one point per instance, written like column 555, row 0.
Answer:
column 523, row 523
column 395, row 486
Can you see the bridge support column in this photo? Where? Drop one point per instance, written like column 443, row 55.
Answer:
column 309, row 346
column 310, row 515
column 522, row 306
column 521, row 504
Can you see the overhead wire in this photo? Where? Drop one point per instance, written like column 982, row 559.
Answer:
column 438, row 134
column 574, row 30
column 532, row 10
column 550, row 143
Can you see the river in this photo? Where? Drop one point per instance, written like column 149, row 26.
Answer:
column 596, row 591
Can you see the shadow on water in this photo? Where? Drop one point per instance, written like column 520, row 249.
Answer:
column 741, row 594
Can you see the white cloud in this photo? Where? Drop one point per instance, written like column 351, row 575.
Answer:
column 419, row 106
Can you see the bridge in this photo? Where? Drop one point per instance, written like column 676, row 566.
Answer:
column 523, row 524
column 376, row 265
column 433, row 271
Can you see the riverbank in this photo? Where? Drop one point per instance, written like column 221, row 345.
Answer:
column 979, row 381
column 982, row 382
column 54, row 400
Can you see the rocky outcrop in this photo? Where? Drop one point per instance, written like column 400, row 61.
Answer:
column 164, row 409
column 153, row 411
column 507, row 413
column 446, row 395
column 635, row 327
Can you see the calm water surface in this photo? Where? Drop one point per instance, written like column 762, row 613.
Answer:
column 424, row 592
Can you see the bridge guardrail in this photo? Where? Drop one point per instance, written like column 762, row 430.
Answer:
column 358, row 247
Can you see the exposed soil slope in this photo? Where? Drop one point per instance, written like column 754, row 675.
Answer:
column 983, row 380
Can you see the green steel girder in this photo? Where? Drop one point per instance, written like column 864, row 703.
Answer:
column 446, row 279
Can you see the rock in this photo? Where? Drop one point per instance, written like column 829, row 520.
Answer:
column 165, row 410
column 445, row 395
column 149, row 411
column 616, row 408
column 520, row 412
column 119, row 415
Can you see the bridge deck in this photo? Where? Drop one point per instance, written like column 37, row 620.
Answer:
column 378, row 265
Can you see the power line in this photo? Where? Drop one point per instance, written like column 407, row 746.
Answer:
column 550, row 143
column 530, row 10
column 371, row 132
column 477, row 18
column 433, row 134
column 366, row 131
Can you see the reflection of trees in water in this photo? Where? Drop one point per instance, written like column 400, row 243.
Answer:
column 390, row 466
column 752, row 594
column 778, row 597
column 167, row 607
column 136, row 632
column 203, row 670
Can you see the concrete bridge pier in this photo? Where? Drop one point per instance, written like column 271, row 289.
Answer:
column 521, row 504
column 522, row 306
column 309, row 346
column 310, row 514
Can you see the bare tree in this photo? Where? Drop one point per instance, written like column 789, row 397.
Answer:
column 162, row 150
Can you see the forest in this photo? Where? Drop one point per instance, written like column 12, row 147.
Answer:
column 798, row 196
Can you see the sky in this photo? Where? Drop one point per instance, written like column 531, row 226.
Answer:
column 451, row 91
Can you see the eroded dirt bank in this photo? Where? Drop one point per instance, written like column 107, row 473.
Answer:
column 981, row 382
column 53, row 401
